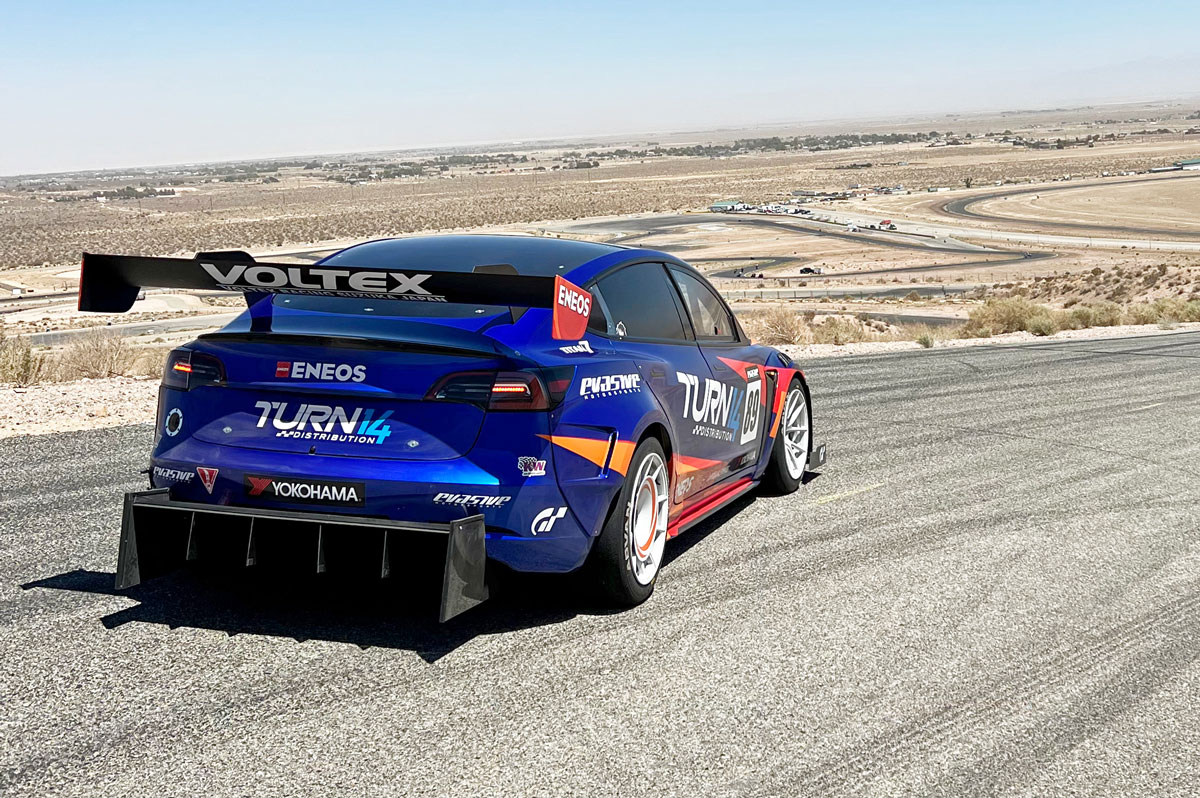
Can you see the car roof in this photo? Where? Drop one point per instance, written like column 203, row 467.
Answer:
column 529, row 255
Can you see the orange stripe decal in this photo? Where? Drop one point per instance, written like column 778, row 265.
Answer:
column 595, row 450
column 782, row 383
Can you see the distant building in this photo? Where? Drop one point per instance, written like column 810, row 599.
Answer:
column 1190, row 163
column 724, row 207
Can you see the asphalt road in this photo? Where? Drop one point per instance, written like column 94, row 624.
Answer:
column 204, row 322
column 630, row 231
column 993, row 588
column 962, row 208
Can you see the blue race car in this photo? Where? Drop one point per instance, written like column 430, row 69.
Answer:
column 539, row 403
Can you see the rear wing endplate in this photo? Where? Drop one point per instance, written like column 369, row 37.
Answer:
column 111, row 284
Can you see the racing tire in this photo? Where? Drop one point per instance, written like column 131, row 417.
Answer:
column 793, row 442
column 628, row 554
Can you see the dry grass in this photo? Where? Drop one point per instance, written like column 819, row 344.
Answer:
column 779, row 325
column 1017, row 314
column 19, row 363
column 100, row 353
column 782, row 325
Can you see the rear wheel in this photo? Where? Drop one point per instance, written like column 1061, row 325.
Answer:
column 629, row 552
column 793, row 441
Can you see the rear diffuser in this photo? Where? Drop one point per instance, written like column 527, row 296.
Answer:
column 149, row 550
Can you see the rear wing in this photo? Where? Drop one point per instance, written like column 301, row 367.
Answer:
column 111, row 284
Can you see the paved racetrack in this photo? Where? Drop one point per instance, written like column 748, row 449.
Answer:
column 963, row 208
column 994, row 587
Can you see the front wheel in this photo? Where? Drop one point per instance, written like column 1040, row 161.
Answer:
column 793, row 441
column 629, row 552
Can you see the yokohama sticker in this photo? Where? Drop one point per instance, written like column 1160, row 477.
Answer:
column 305, row 491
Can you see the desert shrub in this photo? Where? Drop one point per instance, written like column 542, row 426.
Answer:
column 1042, row 325
column 779, row 325
column 149, row 362
column 1080, row 317
column 1105, row 314
column 19, row 363
column 912, row 296
column 1004, row 316
column 97, row 353
column 925, row 340
column 1141, row 313
column 838, row 331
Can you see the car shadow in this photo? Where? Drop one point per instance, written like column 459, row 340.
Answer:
column 397, row 613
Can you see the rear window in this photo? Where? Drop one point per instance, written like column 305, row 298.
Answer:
column 641, row 303
column 384, row 307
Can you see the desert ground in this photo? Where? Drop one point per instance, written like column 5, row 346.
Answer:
column 1053, row 206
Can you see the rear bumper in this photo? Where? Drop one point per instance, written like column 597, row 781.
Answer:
column 489, row 482
column 159, row 534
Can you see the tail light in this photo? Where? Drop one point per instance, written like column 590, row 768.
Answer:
column 504, row 390
column 187, row 369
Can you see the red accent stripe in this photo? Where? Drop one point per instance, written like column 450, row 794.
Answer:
column 709, row 505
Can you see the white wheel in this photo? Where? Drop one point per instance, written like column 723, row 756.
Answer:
column 627, row 556
column 794, row 429
column 646, row 519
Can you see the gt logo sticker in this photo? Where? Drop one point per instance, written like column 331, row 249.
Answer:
column 572, row 306
column 531, row 466
column 544, row 521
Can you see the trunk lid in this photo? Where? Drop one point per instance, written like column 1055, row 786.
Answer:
column 342, row 396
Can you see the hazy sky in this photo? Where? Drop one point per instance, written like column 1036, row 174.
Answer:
column 89, row 85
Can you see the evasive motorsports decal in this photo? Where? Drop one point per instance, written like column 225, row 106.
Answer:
column 609, row 385
column 332, row 423
column 173, row 475
column 305, row 491
column 322, row 280
column 472, row 500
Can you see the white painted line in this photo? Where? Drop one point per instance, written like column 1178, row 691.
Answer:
column 847, row 494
